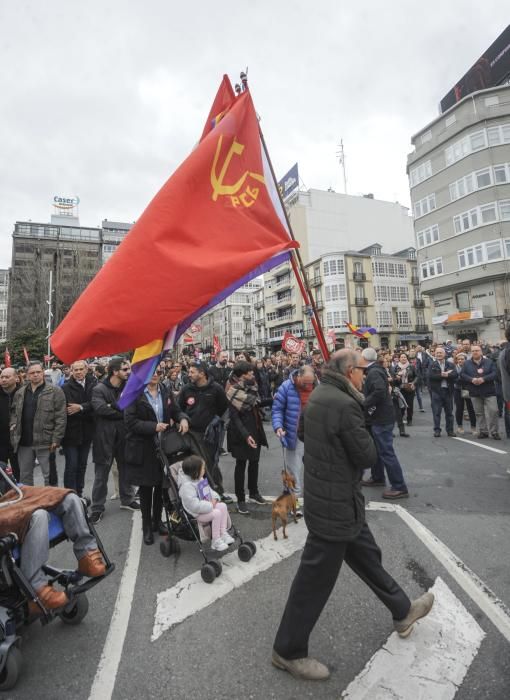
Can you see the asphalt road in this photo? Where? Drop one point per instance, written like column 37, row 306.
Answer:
column 459, row 490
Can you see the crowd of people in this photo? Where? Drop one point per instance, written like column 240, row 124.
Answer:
column 225, row 403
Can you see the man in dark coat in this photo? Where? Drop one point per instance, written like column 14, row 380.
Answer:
column 442, row 378
column 380, row 417
column 337, row 449
column 479, row 375
column 8, row 387
column 80, row 425
column 109, row 439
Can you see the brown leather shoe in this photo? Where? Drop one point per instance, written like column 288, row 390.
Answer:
column 306, row 669
column 50, row 598
column 92, row 564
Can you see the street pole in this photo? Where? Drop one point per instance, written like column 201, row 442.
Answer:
column 50, row 316
column 341, row 159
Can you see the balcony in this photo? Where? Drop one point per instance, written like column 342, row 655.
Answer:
column 283, row 282
column 360, row 301
column 259, row 304
column 259, row 321
column 315, row 281
column 419, row 303
column 359, row 277
column 419, row 328
column 286, row 300
column 415, row 279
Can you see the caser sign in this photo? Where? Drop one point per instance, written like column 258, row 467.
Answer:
column 65, row 202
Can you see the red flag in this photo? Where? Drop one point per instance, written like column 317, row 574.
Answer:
column 223, row 100
column 216, row 345
column 292, row 344
column 7, row 357
column 25, row 355
column 211, row 223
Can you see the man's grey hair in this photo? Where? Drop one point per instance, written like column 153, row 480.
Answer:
column 342, row 360
column 369, row 354
column 305, row 369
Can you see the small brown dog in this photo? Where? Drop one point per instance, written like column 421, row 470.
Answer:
column 285, row 503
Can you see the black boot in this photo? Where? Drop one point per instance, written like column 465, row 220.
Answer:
column 157, row 510
column 403, row 432
column 148, row 537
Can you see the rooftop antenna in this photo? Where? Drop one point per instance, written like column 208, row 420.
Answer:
column 340, row 154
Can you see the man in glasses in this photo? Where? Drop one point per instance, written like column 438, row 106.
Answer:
column 380, row 417
column 109, row 439
column 337, row 449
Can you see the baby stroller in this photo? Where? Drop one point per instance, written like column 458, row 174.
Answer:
column 181, row 525
column 16, row 592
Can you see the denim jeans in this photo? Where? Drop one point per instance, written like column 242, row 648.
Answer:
column 76, row 465
column 442, row 400
column 26, row 461
column 386, row 458
column 294, row 464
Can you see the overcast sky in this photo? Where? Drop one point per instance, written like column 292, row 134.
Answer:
column 105, row 99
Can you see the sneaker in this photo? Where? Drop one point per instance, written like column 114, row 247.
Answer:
column 134, row 505
column 219, row 545
column 393, row 494
column 460, row 430
column 422, row 410
column 437, row 433
column 306, row 669
column 372, row 482
column 496, row 436
column 227, row 539
column 482, row 436
column 223, row 452
column 451, row 434
column 114, row 496
column 474, row 431
column 299, row 513
column 419, row 608
column 226, row 499
column 96, row 516
column 257, row 498
column 242, row 508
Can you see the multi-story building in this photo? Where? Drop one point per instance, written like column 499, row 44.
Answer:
column 459, row 176
column 370, row 288
column 232, row 321
column 73, row 254
column 4, row 301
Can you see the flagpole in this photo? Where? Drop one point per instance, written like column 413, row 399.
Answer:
column 302, row 278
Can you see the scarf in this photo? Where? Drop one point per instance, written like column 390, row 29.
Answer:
column 329, row 376
column 242, row 397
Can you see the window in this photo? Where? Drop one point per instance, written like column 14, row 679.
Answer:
column 485, row 214
column 388, row 269
column 384, row 319
column 391, row 293
column 403, row 318
column 504, row 210
column 420, row 173
column 362, row 317
column 498, row 135
column 490, row 101
column 501, row 173
column 358, row 268
column 450, row 120
column 483, row 178
column 334, row 292
column 334, row 266
column 427, row 136
column 488, row 213
column 482, row 253
column 431, row 268
column 336, row 319
column 425, row 205
column 427, row 236
column 493, row 136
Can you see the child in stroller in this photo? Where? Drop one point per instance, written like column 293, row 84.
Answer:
column 39, row 518
column 183, row 525
column 202, row 502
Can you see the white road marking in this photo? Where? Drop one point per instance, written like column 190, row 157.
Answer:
column 106, row 674
column 479, row 444
column 476, row 589
column 191, row 594
column 432, row 663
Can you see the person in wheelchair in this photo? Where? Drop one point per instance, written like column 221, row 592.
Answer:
column 29, row 520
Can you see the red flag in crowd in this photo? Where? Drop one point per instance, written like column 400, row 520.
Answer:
column 25, row 355
column 292, row 344
column 211, row 223
column 7, row 357
column 216, row 345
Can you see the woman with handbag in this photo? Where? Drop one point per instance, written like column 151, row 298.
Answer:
column 145, row 418
column 405, row 379
column 461, row 398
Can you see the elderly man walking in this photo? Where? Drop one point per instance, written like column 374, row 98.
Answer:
column 337, row 449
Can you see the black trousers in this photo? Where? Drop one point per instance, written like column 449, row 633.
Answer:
column 151, row 503
column 253, row 478
column 315, row 579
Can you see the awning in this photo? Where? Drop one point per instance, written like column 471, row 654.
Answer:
column 459, row 318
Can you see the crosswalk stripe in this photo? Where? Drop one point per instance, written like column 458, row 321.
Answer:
column 431, row 663
column 191, row 594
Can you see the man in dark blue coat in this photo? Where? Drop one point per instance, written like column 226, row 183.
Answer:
column 337, row 449
column 479, row 375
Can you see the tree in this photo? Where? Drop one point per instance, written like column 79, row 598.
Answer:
column 33, row 339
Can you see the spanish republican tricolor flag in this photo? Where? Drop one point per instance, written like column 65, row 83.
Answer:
column 216, row 223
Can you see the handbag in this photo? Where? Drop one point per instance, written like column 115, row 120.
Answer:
column 464, row 393
column 408, row 386
column 173, row 442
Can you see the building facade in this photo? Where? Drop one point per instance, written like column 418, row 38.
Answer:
column 370, row 288
column 73, row 254
column 4, row 303
column 459, row 177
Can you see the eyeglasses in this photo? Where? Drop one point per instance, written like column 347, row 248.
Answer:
column 363, row 368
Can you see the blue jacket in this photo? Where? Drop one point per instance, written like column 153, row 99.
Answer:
column 487, row 370
column 286, row 410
